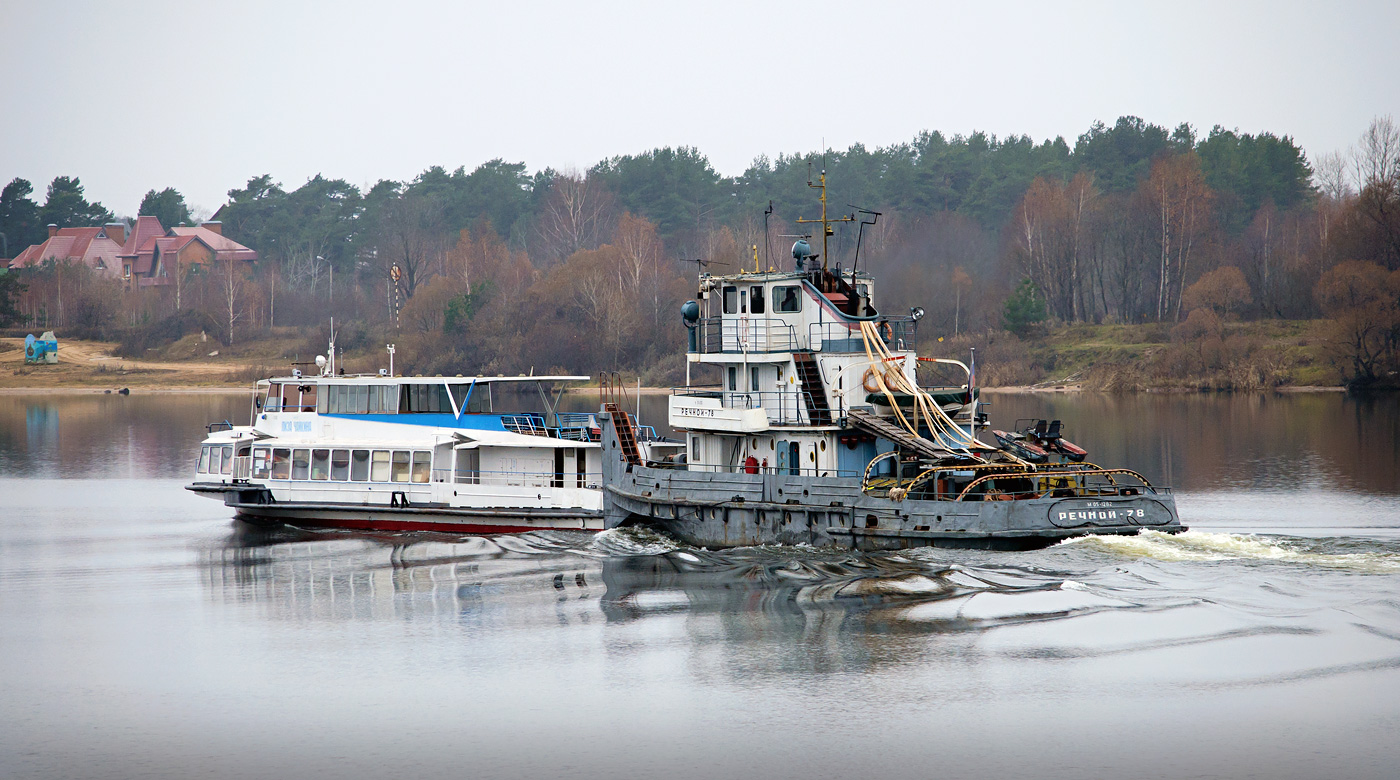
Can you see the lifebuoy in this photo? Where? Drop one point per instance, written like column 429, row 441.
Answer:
column 886, row 332
column 869, row 382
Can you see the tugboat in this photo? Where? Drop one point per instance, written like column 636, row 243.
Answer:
column 821, row 434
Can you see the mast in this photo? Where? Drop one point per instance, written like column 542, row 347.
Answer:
column 825, row 223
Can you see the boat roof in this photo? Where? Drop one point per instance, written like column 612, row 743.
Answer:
column 776, row 276
column 371, row 379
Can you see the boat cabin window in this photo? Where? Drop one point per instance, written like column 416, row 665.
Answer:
column 301, row 464
column 320, row 464
column 422, row 466
column 359, row 466
column 346, row 399
column 203, row 460
column 787, row 298
column 340, row 465
column 379, row 466
column 472, row 398
column 731, row 300
column 262, row 462
column 756, row 299
column 743, row 301
column 281, row 463
column 753, row 378
column 424, row 398
column 733, row 379
column 401, row 465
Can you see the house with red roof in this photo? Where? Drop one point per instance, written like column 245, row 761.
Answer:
column 151, row 251
column 95, row 247
column 144, row 257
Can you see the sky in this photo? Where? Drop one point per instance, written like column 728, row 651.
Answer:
column 202, row 96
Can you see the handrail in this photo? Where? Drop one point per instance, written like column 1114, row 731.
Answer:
column 1073, row 473
column 739, row 333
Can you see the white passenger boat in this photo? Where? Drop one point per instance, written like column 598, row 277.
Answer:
column 411, row 453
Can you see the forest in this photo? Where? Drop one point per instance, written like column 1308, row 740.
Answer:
column 504, row 270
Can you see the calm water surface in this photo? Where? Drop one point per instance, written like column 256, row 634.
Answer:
column 144, row 634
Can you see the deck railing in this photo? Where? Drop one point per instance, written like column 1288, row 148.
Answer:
column 569, row 479
column 784, row 407
column 745, row 334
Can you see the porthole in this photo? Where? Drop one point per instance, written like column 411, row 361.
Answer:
column 823, row 445
column 812, row 456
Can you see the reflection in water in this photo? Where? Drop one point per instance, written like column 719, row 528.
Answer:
column 146, row 634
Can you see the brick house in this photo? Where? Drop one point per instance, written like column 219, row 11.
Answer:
column 95, row 247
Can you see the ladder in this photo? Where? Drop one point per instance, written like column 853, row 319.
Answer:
column 818, row 411
column 626, row 435
column 903, row 439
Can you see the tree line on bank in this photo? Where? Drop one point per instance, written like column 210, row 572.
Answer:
column 501, row 269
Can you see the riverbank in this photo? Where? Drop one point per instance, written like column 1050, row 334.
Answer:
column 1278, row 355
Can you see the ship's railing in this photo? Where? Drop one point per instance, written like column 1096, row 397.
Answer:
column 570, row 479
column 527, row 424
column 784, row 407
column 897, row 332
column 780, row 469
column 745, row 334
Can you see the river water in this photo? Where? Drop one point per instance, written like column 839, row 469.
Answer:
column 145, row 634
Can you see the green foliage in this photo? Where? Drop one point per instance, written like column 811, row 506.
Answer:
column 10, row 289
column 1246, row 171
column 168, row 206
column 19, row 217
column 65, row 205
column 1025, row 309
column 460, row 309
column 1122, row 155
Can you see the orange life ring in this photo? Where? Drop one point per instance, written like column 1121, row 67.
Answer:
column 885, row 330
column 869, row 382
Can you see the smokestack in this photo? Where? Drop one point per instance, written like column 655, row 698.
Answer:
column 53, row 230
column 116, row 231
column 213, row 226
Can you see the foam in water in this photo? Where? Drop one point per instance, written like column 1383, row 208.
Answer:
column 633, row 541
column 1205, row 546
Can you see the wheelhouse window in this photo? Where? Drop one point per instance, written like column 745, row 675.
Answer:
column 731, row 300
column 203, row 460
column 227, row 466
column 262, row 462
column 473, row 398
column 424, row 398
column 787, row 298
column 756, row 299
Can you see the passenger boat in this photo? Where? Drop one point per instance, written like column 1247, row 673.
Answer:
column 396, row 453
column 822, row 434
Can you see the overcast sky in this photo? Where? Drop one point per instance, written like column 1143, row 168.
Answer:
column 199, row 96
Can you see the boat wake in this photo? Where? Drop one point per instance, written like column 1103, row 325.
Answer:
column 1205, row 546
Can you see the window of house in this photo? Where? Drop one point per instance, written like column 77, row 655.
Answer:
column 756, row 300
column 788, row 298
column 731, row 300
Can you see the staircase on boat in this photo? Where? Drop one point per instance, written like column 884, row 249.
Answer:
column 810, row 374
column 626, row 434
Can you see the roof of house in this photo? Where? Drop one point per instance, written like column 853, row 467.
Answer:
column 89, row 245
column 223, row 247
